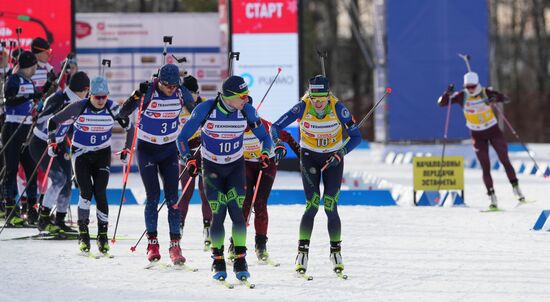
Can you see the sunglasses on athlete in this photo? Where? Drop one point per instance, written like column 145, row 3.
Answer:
column 243, row 96
column 318, row 98
column 168, row 85
column 49, row 50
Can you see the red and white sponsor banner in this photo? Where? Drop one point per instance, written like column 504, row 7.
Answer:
column 265, row 16
column 265, row 32
column 36, row 18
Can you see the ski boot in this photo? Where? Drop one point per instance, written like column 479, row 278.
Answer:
column 206, row 234
column 84, row 237
column 302, row 257
column 175, row 250
column 13, row 215
column 45, row 223
column 32, row 213
column 2, row 209
column 493, row 198
column 517, row 192
column 153, row 253
column 102, row 239
column 218, row 266
column 240, row 267
column 261, row 249
column 23, row 207
column 336, row 257
column 231, row 250
column 60, row 223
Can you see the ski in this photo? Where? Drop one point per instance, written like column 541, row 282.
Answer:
column 245, row 282
column 224, row 282
column 106, row 255
column 184, row 267
column 303, row 275
column 341, row 275
column 158, row 264
column 89, row 255
column 155, row 263
column 492, row 210
column 206, row 247
column 523, row 202
column 22, row 226
column 269, row 262
column 41, row 236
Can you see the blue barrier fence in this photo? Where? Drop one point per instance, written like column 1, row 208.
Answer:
column 277, row 197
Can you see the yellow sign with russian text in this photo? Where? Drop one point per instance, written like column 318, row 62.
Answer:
column 433, row 174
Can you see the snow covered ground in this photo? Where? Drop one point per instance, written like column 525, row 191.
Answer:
column 401, row 253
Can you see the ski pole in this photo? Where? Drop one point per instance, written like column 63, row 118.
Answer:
column 279, row 69
column 176, row 205
column 49, row 89
column 466, row 59
column 181, row 61
column 254, row 197
column 128, row 166
column 388, row 91
column 25, row 189
column 450, row 88
column 261, row 171
column 16, row 130
column 18, row 31
column 519, row 139
column 322, row 56
column 167, row 40
column 10, row 61
column 233, row 55
column 133, row 248
column 105, row 63
column 48, row 92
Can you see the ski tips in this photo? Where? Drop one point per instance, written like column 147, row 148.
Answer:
column 388, row 90
column 133, row 249
column 279, row 69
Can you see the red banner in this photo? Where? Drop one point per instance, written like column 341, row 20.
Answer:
column 264, row 16
column 50, row 20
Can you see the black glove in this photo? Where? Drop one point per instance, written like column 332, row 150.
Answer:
column 51, row 76
column 264, row 161
column 55, row 149
column 491, row 101
column 136, row 95
column 450, row 88
column 124, row 122
column 37, row 96
column 190, row 164
column 336, row 158
column 124, row 155
column 52, row 149
column 280, row 152
column 143, row 86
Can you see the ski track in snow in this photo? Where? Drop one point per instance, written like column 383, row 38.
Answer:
column 398, row 253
